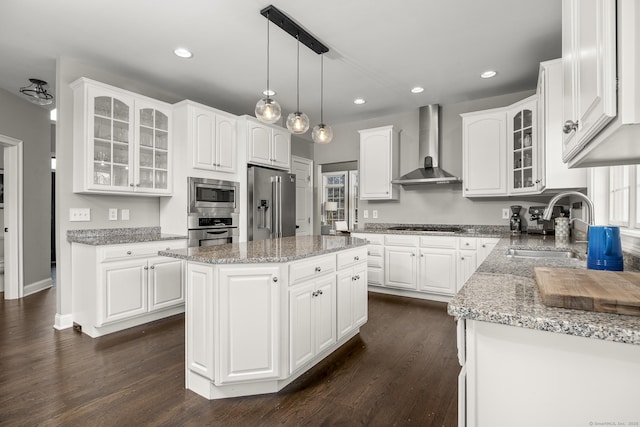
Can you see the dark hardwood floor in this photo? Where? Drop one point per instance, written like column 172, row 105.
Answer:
column 401, row 370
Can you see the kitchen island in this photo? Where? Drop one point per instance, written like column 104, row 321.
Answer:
column 259, row 314
column 527, row 364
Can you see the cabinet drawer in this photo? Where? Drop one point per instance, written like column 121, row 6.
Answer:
column 375, row 276
column 400, row 240
column 468, row 242
column 316, row 266
column 352, row 256
column 375, row 261
column 444, row 242
column 375, row 251
column 134, row 250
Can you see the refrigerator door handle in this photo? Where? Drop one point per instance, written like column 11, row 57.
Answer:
column 276, row 197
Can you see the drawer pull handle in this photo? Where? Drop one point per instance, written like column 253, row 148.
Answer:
column 318, row 269
column 356, row 258
column 275, row 279
column 128, row 252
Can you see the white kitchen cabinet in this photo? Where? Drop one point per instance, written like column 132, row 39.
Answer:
column 552, row 172
column 437, row 270
column 379, row 163
column 266, row 145
column 121, row 141
column 248, row 323
column 351, row 291
column 466, row 266
column 124, row 285
column 400, row 262
column 589, row 70
column 601, row 67
column 484, row 153
column 312, row 325
column 375, row 258
column 484, row 248
column 212, row 136
column 522, row 143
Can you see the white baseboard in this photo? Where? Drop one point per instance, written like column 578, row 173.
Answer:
column 63, row 321
column 41, row 285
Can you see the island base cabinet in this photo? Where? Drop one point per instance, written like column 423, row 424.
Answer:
column 247, row 302
column 352, row 299
column 525, row 377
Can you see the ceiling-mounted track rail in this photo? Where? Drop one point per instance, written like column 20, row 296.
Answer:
column 274, row 15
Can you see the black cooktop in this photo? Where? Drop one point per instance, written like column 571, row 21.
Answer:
column 440, row 229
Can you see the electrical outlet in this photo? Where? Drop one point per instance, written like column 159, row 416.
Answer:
column 375, row 214
column 79, row 214
column 113, row 214
column 505, row 213
column 124, row 214
column 365, row 213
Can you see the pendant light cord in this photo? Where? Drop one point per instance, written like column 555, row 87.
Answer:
column 268, row 96
column 321, row 88
column 298, row 77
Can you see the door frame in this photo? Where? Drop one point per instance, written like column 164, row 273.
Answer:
column 309, row 165
column 13, row 215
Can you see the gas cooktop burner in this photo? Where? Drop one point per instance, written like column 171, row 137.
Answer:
column 426, row 228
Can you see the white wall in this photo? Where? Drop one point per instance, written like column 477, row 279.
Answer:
column 30, row 123
column 144, row 211
column 429, row 203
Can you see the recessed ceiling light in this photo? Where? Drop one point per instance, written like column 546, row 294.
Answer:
column 183, row 52
column 488, row 74
column 269, row 92
column 417, row 89
column 359, row 101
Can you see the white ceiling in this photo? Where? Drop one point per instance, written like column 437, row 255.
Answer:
column 379, row 49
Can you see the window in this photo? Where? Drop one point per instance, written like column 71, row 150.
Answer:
column 342, row 188
column 624, row 200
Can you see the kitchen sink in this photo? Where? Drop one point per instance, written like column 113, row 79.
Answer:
column 539, row 253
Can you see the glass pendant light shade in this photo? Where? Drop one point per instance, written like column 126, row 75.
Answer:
column 268, row 110
column 298, row 122
column 322, row 134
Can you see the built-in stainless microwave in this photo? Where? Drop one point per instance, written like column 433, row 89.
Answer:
column 213, row 195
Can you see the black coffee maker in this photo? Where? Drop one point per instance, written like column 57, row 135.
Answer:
column 514, row 221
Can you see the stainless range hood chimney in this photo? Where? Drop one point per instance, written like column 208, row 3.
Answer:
column 429, row 150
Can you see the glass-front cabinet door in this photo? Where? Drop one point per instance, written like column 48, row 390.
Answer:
column 112, row 122
column 523, row 148
column 152, row 156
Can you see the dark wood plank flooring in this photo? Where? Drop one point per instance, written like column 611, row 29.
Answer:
column 401, row 370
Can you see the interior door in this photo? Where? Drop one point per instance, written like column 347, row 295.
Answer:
column 303, row 168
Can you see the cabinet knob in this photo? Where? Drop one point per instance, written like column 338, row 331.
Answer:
column 275, row 279
column 356, row 258
column 538, row 181
column 462, row 258
column 569, row 126
column 412, row 254
column 422, row 255
column 466, row 189
column 484, row 246
column 153, row 267
column 128, row 252
column 353, row 278
column 466, row 244
column 358, row 277
column 131, row 185
column 318, row 269
column 319, row 292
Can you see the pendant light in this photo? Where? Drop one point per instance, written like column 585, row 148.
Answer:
column 37, row 93
column 322, row 134
column 267, row 109
column 298, row 122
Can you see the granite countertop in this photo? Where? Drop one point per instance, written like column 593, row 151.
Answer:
column 284, row 249
column 503, row 290
column 436, row 230
column 114, row 236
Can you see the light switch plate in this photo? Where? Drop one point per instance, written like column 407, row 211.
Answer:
column 505, row 213
column 365, row 213
column 124, row 214
column 113, row 214
column 79, row 214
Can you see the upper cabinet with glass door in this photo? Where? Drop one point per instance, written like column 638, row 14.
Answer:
column 523, row 146
column 121, row 141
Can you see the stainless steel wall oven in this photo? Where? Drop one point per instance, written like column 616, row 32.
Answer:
column 213, row 212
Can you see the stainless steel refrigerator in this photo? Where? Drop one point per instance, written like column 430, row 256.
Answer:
column 271, row 204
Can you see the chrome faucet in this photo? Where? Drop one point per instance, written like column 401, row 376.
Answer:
column 549, row 210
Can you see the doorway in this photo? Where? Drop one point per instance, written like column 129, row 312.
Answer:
column 303, row 169
column 12, row 214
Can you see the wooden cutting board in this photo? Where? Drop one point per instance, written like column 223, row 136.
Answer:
column 593, row 290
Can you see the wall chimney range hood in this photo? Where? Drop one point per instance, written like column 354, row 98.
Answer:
column 429, row 150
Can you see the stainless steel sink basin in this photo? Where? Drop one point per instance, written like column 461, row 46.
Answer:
column 538, row 253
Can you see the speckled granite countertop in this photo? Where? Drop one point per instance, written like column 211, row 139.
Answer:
column 266, row 251
column 502, row 290
column 438, row 229
column 114, row 236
